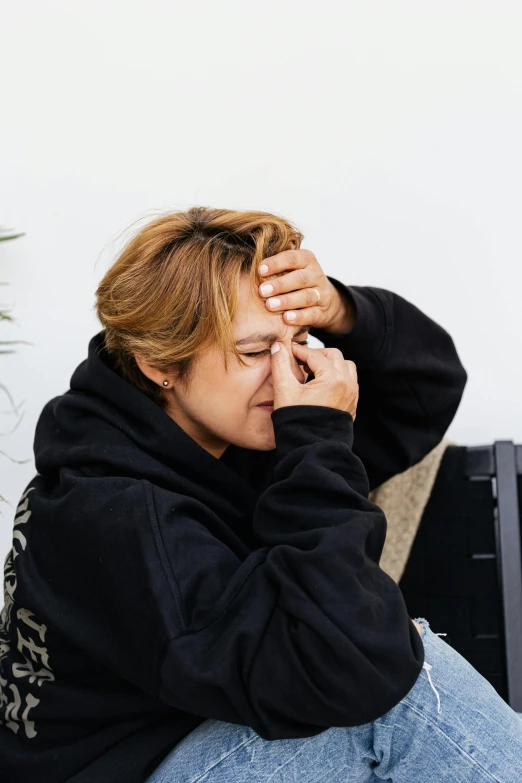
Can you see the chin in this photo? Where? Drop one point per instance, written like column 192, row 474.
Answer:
column 262, row 442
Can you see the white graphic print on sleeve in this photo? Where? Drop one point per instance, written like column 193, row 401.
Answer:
column 28, row 663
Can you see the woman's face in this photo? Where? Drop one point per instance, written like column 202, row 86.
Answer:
column 222, row 407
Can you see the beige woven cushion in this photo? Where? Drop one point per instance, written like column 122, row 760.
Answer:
column 403, row 499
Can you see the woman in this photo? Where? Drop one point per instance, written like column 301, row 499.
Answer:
column 194, row 590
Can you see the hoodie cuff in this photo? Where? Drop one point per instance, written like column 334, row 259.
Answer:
column 302, row 425
column 372, row 329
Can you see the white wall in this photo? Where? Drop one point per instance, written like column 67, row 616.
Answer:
column 390, row 132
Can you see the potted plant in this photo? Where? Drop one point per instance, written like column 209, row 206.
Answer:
column 6, row 235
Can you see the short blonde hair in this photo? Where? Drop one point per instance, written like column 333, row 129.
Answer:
column 174, row 289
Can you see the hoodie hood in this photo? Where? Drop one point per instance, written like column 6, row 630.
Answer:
column 103, row 425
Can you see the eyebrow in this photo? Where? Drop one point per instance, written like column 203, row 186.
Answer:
column 267, row 337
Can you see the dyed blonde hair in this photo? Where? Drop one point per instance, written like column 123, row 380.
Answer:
column 174, row 289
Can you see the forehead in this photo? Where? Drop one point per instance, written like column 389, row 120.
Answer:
column 252, row 315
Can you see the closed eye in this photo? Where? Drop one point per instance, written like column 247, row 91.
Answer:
column 267, row 350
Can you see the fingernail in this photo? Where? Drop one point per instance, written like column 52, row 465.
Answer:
column 263, row 269
column 290, row 315
column 274, row 347
column 266, row 289
column 274, row 302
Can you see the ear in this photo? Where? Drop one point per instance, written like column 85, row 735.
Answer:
column 153, row 374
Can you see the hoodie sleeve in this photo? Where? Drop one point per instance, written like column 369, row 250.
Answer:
column 307, row 631
column 411, row 379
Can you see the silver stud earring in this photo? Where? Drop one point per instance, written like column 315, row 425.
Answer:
column 165, row 383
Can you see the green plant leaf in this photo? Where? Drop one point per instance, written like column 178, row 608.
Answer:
column 5, row 237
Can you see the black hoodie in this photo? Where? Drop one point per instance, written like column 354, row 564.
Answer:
column 152, row 585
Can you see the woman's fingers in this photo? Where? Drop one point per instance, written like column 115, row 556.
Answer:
column 334, row 355
column 315, row 358
column 321, row 358
column 299, row 278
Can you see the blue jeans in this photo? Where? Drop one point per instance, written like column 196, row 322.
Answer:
column 452, row 727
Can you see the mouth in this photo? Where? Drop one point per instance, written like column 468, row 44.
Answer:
column 267, row 405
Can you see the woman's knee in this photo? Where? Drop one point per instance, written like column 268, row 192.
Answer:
column 453, row 719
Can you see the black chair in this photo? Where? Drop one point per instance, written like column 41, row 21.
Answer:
column 464, row 572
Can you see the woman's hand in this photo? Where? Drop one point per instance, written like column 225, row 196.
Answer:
column 335, row 378
column 293, row 294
